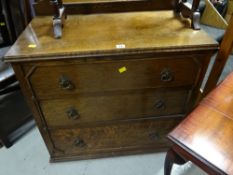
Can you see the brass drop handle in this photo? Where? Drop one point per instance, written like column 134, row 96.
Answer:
column 160, row 104
column 79, row 142
column 65, row 83
column 166, row 75
column 72, row 113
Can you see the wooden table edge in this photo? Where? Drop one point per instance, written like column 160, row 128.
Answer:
column 190, row 155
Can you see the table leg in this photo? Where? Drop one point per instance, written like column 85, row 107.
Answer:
column 171, row 158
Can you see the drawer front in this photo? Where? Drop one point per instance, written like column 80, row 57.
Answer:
column 68, row 112
column 118, row 137
column 62, row 80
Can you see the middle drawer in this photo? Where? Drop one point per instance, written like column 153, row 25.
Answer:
column 115, row 106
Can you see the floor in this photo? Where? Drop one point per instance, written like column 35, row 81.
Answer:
column 30, row 157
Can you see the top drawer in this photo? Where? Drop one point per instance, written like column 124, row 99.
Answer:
column 58, row 80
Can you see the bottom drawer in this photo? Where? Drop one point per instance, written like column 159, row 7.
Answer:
column 111, row 139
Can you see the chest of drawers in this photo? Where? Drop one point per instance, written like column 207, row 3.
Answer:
column 114, row 84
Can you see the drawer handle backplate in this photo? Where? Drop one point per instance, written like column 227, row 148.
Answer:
column 72, row 113
column 166, row 75
column 155, row 136
column 79, row 142
column 160, row 104
column 65, row 83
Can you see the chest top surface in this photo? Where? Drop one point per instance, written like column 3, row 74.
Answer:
column 108, row 34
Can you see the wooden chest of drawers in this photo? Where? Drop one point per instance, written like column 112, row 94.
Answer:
column 114, row 84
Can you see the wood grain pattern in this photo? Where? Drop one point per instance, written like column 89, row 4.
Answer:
column 139, row 31
column 32, row 103
column 113, row 107
column 101, row 77
column 75, row 2
column 186, row 9
column 223, row 100
column 112, row 137
column 207, row 132
column 106, row 6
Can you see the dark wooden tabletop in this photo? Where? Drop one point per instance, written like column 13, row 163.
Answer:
column 208, row 131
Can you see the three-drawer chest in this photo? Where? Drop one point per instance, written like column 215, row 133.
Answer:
column 114, row 84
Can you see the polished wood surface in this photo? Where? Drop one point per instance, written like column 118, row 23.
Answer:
column 221, row 59
column 104, row 76
column 99, row 140
column 44, row 7
column 206, row 133
column 107, row 75
column 104, row 6
column 141, row 31
column 67, row 2
column 60, row 9
column 104, row 108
